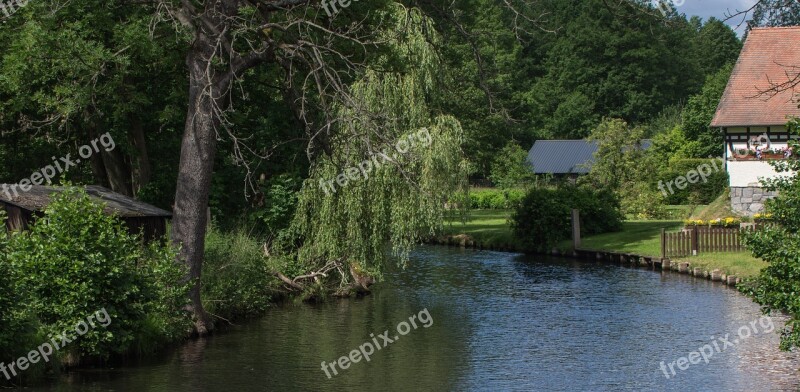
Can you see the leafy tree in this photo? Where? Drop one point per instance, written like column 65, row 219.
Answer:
column 511, row 168
column 608, row 61
column 619, row 154
column 715, row 47
column 620, row 166
column 775, row 13
column 700, row 111
column 406, row 184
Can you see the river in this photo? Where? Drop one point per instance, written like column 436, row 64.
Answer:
column 497, row 322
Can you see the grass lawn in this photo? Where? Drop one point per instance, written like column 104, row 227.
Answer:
column 741, row 264
column 487, row 226
column 639, row 237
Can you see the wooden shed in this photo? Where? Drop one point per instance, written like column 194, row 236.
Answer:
column 24, row 207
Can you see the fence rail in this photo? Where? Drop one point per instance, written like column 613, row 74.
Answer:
column 697, row 240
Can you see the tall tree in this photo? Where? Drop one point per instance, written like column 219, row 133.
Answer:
column 319, row 58
column 775, row 13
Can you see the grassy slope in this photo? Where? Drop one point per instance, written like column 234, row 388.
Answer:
column 719, row 208
column 639, row 237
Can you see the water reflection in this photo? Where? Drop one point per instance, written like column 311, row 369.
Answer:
column 501, row 322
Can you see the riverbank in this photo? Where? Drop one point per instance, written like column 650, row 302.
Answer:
column 491, row 229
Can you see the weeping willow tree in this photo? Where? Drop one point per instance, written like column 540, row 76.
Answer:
column 373, row 197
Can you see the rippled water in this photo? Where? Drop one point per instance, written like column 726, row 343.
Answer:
column 501, row 322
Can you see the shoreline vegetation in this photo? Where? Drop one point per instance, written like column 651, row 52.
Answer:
column 491, row 229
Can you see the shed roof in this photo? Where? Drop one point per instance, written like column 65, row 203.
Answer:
column 38, row 197
column 769, row 56
column 566, row 156
column 562, row 156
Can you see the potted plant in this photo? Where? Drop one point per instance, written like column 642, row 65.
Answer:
column 745, row 154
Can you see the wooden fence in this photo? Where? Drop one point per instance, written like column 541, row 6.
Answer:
column 697, row 240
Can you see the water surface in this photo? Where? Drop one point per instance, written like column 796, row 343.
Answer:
column 501, row 322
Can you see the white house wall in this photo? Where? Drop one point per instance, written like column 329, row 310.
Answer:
column 748, row 173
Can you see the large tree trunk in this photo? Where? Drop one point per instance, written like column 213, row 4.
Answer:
column 198, row 149
column 119, row 174
column 140, row 162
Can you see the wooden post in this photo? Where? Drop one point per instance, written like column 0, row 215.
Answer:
column 576, row 229
column 663, row 243
column 694, row 241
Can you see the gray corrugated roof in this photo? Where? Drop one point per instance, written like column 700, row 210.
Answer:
column 562, row 156
column 565, row 156
column 38, row 197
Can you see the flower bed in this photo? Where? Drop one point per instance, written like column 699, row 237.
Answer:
column 729, row 222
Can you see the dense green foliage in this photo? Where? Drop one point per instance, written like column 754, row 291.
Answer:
column 389, row 190
column 701, row 192
column 492, row 199
column 777, row 288
column 621, row 167
column 544, row 216
column 582, row 61
column 700, row 111
column 511, row 168
column 76, row 260
column 238, row 282
column 775, row 13
column 13, row 314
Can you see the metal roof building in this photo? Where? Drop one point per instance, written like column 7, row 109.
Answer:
column 565, row 156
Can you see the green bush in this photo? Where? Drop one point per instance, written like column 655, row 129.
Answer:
column 275, row 210
column 702, row 192
column 495, row 199
column 76, row 260
column 544, row 217
column 236, row 276
column 641, row 201
column 13, row 315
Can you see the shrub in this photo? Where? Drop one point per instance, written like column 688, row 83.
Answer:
column 702, row 192
column 641, row 201
column 544, row 216
column 495, row 199
column 235, row 275
column 511, row 168
column 76, row 260
column 274, row 211
column 13, row 315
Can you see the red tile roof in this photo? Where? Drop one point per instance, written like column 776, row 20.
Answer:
column 770, row 56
